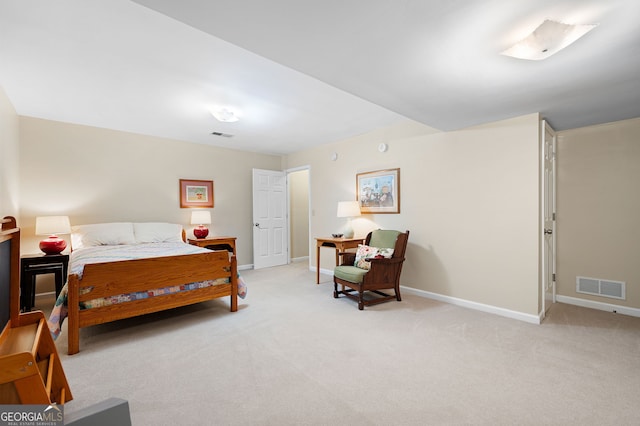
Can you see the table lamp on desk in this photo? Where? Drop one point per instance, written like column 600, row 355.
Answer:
column 348, row 209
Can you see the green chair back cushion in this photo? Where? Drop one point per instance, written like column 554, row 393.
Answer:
column 384, row 238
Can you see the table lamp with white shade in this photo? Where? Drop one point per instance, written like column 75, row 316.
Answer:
column 348, row 209
column 53, row 226
column 201, row 218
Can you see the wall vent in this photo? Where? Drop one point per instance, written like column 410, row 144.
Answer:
column 599, row 287
column 224, row 135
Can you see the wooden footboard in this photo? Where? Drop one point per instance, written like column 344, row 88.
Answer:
column 128, row 276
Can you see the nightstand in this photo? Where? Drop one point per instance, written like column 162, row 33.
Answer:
column 37, row 264
column 215, row 243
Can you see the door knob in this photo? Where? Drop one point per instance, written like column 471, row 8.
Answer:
column 548, row 231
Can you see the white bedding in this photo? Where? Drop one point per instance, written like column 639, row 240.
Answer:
column 102, row 254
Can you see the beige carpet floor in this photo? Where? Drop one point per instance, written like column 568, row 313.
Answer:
column 293, row 355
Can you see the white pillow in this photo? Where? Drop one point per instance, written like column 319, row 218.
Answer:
column 101, row 234
column 157, row 233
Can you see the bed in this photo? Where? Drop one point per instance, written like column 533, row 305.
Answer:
column 123, row 270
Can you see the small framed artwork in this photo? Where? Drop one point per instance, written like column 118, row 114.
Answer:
column 379, row 191
column 196, row 193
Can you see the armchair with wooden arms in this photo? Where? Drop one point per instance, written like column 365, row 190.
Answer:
column 383, row 274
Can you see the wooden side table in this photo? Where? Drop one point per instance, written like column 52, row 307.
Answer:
column 339, row 244
column 36, row 264
column 215, row 243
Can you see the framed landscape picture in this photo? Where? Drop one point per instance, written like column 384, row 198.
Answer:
column 196, row 193
column 379, row 191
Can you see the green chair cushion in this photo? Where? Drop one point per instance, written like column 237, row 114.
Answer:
column 385, row 238
column 352, row 274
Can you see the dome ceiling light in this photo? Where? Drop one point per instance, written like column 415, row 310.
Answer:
column 549, row 38
column 225, row 115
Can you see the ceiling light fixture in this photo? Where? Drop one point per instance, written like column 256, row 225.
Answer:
column 225, row 115
column 549, row 38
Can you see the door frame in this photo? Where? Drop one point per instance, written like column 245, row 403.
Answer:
column 288, row 172
column 548, row 200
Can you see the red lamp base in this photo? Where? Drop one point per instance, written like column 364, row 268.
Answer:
column 53, row 245
column 201, row 231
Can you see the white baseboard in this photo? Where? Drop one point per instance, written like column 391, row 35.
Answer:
column 322, row 271
column 533, row 319
column 325, row 271
column 45, row 294
column 601, row 306
column 297, row 259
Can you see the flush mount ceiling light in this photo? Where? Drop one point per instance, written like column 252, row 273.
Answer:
column 549, row 38
column 225, row 115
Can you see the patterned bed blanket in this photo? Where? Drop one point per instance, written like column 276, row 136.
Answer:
column 103, row 254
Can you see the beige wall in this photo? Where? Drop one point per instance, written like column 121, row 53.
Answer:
column 470, row 199
column 599, row 208
column 9, row 161
column 299, row 213
column 99, row 175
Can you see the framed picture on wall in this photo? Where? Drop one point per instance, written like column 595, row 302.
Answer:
column 379, row 191
column 196, row 193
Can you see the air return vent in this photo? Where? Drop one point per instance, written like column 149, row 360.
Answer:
column 599, row 287
column 224, row 135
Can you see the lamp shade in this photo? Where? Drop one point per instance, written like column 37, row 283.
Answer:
column 348, row 209
column 51, row 226
column 200, row 217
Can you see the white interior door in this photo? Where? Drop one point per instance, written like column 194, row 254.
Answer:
column 549, row 217
column 270, row 240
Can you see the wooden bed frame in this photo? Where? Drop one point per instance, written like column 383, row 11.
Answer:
column 127, row 276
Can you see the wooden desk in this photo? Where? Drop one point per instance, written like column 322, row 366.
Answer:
column 216, row 243
column 339, row 244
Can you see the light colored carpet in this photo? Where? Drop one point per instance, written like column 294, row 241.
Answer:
column 293, row 355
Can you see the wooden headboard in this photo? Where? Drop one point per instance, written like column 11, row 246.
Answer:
column 9, row 272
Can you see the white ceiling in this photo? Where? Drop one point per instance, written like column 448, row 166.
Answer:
column 303, row 73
